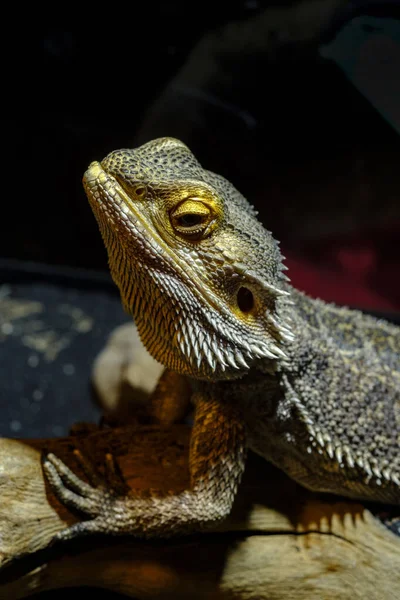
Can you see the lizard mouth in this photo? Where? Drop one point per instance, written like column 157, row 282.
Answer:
column 111, row 204
column 104, row 191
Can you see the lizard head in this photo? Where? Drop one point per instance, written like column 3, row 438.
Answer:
column 201, row 276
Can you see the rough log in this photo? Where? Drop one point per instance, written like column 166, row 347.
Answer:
column 281, row 541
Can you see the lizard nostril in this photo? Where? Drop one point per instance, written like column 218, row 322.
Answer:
column 245, row 299
column 140, row 191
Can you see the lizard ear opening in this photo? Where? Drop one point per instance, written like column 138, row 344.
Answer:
column 245, row 299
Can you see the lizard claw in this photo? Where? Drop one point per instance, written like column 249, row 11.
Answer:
column 95, row 500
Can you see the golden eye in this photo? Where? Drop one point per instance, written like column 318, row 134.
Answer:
column 191, row 217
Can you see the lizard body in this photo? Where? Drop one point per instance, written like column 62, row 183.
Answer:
column 312, row 387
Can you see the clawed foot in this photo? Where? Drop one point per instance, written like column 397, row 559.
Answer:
column 103, row 499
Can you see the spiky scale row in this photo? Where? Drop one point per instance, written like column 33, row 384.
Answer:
column 345, row 458
column 331, row 366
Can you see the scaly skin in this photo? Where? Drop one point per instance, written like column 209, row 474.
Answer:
column 311, row 387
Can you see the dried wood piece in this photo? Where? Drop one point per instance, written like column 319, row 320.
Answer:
column 281, row 541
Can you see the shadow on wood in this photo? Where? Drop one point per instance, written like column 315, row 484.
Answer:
column 280, row 541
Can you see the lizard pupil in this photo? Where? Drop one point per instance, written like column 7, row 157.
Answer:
column 190, row 220
column 245, row 299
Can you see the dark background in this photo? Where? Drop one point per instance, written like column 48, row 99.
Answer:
column 245, row 86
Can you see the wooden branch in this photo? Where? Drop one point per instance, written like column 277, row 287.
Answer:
column 280, row 541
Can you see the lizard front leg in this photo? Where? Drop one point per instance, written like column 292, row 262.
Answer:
column 216, row 462
column 170, row 401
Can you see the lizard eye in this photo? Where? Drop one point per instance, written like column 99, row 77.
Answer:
column 191, row 217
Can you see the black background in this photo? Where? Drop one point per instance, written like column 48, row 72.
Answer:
column 245, row 89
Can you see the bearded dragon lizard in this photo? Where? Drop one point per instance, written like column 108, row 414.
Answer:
column 309, row 386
